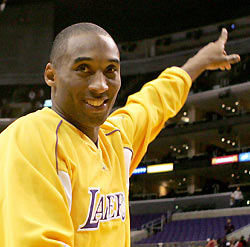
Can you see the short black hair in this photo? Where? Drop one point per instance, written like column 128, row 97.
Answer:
column 59, row 46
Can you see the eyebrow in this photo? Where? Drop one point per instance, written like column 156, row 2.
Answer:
column 80, row 59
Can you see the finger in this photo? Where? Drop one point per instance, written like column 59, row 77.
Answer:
column 234, row 58
column 222, row 68
column 223, row 36
column 228, row 66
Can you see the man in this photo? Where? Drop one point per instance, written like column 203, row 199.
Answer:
column 211, row 242
column 64, row 172
column 237, row 198
column 229, row 227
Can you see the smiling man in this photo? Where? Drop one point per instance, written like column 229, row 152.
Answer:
column 64, row 172
column 84, row 76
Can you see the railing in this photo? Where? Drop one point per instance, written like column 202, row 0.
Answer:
column 173, row 244
column 182, row 40
column 162, row 206
column 155, row 225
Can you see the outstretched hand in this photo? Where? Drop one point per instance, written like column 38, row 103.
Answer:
column 211, row 57
column 216, row 55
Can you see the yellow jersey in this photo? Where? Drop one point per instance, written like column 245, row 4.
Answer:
column 57, row 188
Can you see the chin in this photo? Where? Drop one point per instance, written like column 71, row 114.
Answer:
column 97, row 121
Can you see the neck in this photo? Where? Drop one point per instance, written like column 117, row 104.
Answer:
column 91, row 132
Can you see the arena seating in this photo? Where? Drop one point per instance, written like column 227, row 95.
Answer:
column 196, row 229
column 136, row 221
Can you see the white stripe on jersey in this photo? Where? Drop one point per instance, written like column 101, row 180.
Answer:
column 127, row 156
column 66, row 182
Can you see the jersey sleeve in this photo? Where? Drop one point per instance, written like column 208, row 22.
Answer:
column 34, row 207
column 146, row 112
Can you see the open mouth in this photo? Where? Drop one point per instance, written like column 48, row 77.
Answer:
column 96, row 102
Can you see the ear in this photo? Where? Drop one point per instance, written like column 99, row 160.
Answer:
column 49, row 75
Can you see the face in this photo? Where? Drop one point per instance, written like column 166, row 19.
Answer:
column 87, row 81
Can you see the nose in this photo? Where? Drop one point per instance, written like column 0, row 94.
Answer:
column 98, row 83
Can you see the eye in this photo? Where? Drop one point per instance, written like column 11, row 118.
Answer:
column 111, row 69
column 83, row 68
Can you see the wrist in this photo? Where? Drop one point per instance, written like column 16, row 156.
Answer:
column 194, row 66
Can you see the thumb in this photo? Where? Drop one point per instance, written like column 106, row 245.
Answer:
column 233, row 58
column 223, row 36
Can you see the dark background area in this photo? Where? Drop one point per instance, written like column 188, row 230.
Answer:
column 27, row 29
column 138, row 19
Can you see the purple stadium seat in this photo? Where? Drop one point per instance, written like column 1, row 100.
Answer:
column 196, row 229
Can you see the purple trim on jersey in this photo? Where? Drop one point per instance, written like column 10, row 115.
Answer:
column 57, row 129
column 63, row 117
column 112, row 132
column 73, row 126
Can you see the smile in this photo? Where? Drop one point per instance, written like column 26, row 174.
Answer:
column 95, row 102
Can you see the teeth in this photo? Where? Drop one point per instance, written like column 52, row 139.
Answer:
column 95, row 102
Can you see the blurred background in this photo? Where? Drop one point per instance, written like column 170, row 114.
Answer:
column 203, row 153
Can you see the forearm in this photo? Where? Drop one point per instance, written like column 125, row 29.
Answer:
column 194, row 68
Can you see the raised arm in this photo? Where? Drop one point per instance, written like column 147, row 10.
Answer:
column 146, row 111
column 211, row 57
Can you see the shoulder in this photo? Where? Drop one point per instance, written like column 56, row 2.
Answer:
column 30, row 128
column 115, row 128
column 108, row 127
column 119, row 120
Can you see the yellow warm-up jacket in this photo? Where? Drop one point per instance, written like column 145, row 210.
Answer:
column 57, row 188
